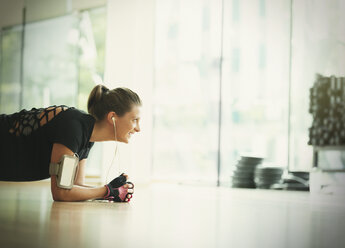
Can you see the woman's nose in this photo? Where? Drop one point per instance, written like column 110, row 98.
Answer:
column 137, row 128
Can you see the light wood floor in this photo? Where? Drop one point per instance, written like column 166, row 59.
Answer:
column 166, row 215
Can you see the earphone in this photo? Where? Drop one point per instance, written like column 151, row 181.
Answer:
column 112, row 161
column 113, row 119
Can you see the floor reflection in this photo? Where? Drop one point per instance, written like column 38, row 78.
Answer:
column 171, row 216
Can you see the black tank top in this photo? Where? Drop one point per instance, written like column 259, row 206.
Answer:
column 27, row 138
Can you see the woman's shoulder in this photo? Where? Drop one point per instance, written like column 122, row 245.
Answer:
column 73, row 112
column 75, row 117
column 79, row 115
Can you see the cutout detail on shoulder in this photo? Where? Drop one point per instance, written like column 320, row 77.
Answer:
column 27, row 122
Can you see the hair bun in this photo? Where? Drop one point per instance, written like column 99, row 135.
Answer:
column 104, row 89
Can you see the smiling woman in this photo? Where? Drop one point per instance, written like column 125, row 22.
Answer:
column 120, row 107
column 35, row 143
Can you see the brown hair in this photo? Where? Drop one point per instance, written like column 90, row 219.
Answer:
column 102, row 101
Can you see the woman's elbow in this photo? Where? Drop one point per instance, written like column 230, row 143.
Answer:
column 62, row 195
column 58, row 194
column 56, row 198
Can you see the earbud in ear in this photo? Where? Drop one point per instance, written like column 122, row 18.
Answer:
column 113, row 118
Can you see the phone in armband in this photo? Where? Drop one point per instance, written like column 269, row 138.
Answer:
column 65, row 171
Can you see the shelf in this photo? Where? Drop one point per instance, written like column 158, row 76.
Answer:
column 329, row 148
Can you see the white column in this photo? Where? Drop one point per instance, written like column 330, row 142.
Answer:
column 130, row 63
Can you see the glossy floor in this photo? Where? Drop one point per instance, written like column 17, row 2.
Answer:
column 165, row 215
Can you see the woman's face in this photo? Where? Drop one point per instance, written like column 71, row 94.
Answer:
column 128, row 124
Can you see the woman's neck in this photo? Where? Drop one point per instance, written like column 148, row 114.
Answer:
column 101, row 132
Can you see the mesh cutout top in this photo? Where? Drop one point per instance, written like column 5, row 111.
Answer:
column 27, row 138
column 25, row 122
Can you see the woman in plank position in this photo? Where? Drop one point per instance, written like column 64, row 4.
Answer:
column 55, row 142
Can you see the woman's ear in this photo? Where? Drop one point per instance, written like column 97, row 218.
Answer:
column 111, row 116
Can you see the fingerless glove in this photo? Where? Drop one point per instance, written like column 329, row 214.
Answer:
column 117, row 192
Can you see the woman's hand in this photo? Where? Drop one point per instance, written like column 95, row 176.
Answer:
column 119, row 189
column 119, row 181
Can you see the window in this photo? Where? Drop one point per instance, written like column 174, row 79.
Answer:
column 255, row 79
column 50, row 62
column 254, row 96
column 91, row 57
column 63, row 59
column 186, row 90
column 11, row 42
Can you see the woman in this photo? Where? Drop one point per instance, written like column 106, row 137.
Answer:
column 31, row 140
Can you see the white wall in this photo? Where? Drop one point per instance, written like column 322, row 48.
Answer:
column 129, row 63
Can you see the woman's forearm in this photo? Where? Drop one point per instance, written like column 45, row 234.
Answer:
column 85, row 186
column 77, row 193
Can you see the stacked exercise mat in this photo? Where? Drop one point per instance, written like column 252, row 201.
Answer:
column 265, row 177
column 250, row 172
column 243, row 173
column 327, row 106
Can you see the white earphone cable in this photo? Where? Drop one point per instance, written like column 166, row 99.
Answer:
column 112, row 161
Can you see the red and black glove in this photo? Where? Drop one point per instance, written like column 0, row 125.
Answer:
column 117, row 190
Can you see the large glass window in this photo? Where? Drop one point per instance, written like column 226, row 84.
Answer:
column 11, row 43
column 91, row 59
column 91, row 52
column 255, row 82
column 50, row 62
column 186, row 89
column 255, row 79
column 63, row 59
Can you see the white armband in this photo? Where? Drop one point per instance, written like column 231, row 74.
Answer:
column 65, row 171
